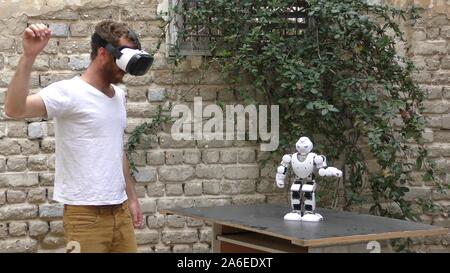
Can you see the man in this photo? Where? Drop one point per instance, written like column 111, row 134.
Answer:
column 92, row 178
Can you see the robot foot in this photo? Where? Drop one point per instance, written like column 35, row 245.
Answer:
column 293, row 216
column 312, row 217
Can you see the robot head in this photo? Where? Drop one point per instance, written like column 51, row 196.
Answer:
column 304, row 145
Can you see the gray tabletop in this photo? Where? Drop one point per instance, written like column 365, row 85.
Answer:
column 337, row 226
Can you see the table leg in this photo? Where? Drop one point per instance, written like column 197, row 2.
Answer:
column 217, row 230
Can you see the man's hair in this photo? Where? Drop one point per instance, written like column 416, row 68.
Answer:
column 111, row 31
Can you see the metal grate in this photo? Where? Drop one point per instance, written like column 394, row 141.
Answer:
column 198, row 36
column 297, row 15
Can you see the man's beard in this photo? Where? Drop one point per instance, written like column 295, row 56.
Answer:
column 111, row 73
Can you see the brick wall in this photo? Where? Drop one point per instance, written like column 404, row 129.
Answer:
column 430, row 50
column 185, row 173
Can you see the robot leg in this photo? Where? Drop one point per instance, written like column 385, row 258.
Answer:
column 310, row 203
column 296, row 205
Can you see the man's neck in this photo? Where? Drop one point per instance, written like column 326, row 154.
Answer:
column 93, row 78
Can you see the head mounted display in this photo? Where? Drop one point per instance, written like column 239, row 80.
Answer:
column 132, row 61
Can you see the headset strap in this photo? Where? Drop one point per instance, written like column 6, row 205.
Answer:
column 115, row 51
column 98, row 40
column 134, row 37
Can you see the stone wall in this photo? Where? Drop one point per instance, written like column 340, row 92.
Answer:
column 186, row 173
column 429, row 48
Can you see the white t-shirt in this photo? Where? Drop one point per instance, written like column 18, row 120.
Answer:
column 89, row 128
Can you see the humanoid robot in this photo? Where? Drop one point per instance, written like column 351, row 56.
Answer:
column 304, row 163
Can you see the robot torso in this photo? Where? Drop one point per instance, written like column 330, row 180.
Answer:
column 305, row 168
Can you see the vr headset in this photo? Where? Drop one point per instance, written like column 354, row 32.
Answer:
column 135, row 62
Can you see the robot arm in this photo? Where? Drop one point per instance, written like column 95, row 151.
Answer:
column 330, row 171
column 282, row 170
column 321, row 163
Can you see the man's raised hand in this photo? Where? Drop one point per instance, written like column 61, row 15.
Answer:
column 35, row 38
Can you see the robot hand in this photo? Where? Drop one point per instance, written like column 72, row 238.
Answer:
column 280, row 180
column 281, row 171
column 330, row 171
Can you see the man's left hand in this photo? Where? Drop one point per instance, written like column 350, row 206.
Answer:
column 136, row 214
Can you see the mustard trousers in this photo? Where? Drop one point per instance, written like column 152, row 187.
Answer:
column 99, row 229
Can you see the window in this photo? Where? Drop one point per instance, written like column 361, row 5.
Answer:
column 196, row 41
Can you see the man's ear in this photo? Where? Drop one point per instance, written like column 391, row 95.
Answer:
column 102, row 52
column 103, row 55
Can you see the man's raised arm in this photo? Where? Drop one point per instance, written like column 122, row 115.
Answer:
column 18, row 104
